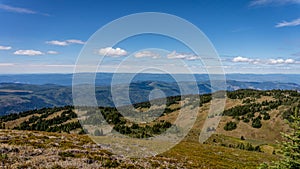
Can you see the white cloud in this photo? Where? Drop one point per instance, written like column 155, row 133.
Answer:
column 150, row 54
column 295, row 22
column 66, row 42
column 175, row 55
column 6, row 64
column 28, row 52
column 273, row 2
column 290, row 61
column 109, row 51
column 5, row 47
column 241, row 59
column 246, row 60
column 75, row 41
column 51, row 52
column 276, row 61
column 58, row 43
column 281, row 61
column 16, row 9
column 186, row 56
column 20, row 10
column 266, row 61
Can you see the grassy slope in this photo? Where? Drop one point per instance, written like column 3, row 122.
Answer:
column 41, row 149
column 189, row 153
column 268, row 132
column 195, row 155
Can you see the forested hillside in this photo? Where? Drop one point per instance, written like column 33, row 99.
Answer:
column 251, row 122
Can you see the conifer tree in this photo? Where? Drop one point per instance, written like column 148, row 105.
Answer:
column 291, row 147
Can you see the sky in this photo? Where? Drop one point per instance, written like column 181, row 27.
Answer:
column 250, row 36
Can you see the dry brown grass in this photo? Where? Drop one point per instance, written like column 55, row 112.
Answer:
column 27, row 149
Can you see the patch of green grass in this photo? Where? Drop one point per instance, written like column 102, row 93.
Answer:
column 195, row 155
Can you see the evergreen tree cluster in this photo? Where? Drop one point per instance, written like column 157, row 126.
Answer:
column 248, row 147
column 256, row 122
column 121, row 125
column 256, row 94
column 40, row 123
column 44, row 111
column 288, row 114
column 242, row 146
column 230, row 126
column 147, row 131
column 246, row 112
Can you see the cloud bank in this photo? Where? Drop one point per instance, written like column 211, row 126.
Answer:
column 267, row 61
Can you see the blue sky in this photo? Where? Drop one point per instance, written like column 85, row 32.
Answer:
column 251, row 36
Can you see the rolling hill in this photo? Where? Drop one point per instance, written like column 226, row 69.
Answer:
column 245, row 137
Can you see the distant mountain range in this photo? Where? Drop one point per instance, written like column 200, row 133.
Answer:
column 105, row 79
column 18, row 97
